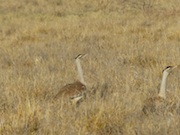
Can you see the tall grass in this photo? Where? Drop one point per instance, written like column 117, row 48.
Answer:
column 128, row 42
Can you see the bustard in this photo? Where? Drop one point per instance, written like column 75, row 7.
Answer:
column 74, row 91
column 159, row 103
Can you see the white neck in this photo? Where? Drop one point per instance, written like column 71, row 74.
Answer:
column 80, row 71
column 162, row 92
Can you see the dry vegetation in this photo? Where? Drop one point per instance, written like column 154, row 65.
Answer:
column 129, row 42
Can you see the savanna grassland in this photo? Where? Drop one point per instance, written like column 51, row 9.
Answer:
column 128, row 43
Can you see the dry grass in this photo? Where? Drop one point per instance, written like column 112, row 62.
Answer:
column 128, row 43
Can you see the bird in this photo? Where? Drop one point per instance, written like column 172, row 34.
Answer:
column 74, row 91
column 159, row 102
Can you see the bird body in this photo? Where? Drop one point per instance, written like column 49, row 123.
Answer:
column 159, row 103
column 154, row 104
column 74, row 91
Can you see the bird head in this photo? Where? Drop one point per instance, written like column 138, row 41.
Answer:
column 79, row 56
column 168, row 69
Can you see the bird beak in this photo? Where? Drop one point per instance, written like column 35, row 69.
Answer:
column 84, row 55
column 175, row 67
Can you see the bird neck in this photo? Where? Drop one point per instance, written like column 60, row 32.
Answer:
column 162, row 92
column 80, row 71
